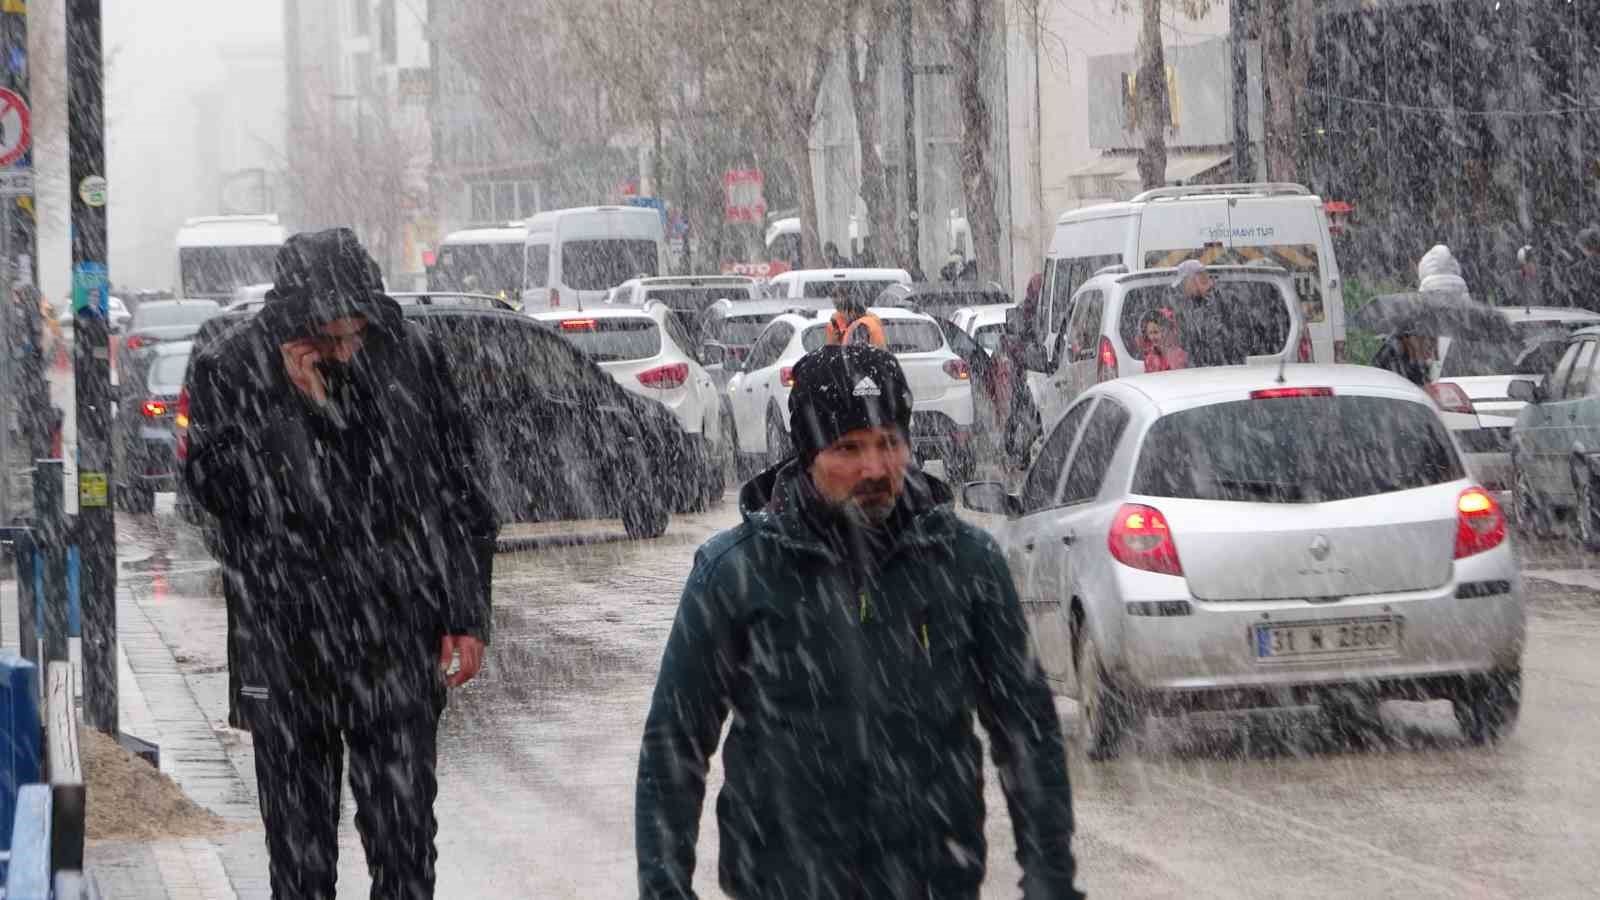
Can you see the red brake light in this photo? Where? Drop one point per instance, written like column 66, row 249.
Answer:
column 154, row 409
column 1480, row 524
column 577, row 324
column 1287, row 393
column 1107, row 369
column 1140, row 539
column 665, row 377
column 786, row 376
column 1450, row 397
column 182, row 423
column 1305, row 345
column 958, row 369
column 137, row 341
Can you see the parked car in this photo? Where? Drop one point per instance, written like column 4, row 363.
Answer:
column 1103, row 339
column 941, row 387
column 559, row 438
column 117, row 312
column 157, row 321
column 145, row 426
column 1555, row 442
column 684, row 293
column 729, row 328
column 574, row 256
column 819, row 284
column 942, row 299
column 649, row 355
column 1474, row 378
column 984, row 324
column 1242, row 538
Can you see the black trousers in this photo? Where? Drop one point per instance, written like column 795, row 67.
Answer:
column 299, row 763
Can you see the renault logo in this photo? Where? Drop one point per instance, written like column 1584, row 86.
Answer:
column 1320, row 548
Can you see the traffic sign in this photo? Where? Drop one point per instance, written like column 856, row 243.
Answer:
column 16, row 182
column 16, row 127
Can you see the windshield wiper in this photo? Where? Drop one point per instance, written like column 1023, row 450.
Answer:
column 1261, row 488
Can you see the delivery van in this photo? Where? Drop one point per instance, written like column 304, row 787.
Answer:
column 1276, row 225
column 575, row 256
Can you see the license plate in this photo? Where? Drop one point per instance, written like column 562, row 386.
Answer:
column 1332, row 639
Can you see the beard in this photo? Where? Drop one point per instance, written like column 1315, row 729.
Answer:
column 870, row 503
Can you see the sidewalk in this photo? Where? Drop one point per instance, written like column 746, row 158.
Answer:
column 158, row 702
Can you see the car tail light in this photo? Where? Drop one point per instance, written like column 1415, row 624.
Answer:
column 1305, row 346
column 1338, row 351
column 958, row 369
column 555, row 298
column 1449, row 397
column 154, row 409
column 1480, row 525
column 1290, row 393
column 1107, row 369
column 138, row 341
column 577, row 324
column 786, row 376
column 1140, row 539
column 665, row 377
column 182, row 423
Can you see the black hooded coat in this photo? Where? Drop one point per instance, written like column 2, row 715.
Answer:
column 354, row 536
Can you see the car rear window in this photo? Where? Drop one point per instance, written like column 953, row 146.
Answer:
column 742, row 331
column 696, row 299
column 612, row 340
column 167, row 314
column 902, row 336
column 1295, row 450
column 600, row 265
column 1533, row 352
column 988, row 337
column 1239, row 320
column 863, row 292
column 167, row 371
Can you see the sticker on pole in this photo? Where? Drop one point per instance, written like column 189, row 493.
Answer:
column 91, row 289
column 16, row 127
column 92, row 493
column 92, row 191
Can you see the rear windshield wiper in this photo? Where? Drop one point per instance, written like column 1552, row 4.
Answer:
column 1261, row 488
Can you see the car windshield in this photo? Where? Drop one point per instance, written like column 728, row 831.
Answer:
column 478, row 268
column 742, row 331
column 217, row 271
column 613, row 340
column 599, row 265
column 166, row 373
column 1533, row 351
column 164, row 315
column 1238, row 320
column 864, row 293
column 1313, row 449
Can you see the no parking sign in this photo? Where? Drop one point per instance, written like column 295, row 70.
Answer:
column 16, row 127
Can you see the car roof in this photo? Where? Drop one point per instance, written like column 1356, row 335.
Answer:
column 987, row 312
column 1198, row 387
column 886, row 313
column 935, row 288
column 172, row 348
column 599, row 312
column 846, row 274
column 1548, row 314
column 695, row 281
column 430, row 298
column 735, row 307
column 187, row 301
column 1591, row 331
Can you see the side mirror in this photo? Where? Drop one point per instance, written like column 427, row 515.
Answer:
column 990, row 497
column 1526, row 390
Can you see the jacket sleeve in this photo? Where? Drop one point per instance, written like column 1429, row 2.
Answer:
column 680, row 735
column 471, row 525
column 1017, row 710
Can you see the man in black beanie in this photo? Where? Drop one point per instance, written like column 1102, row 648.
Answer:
column 853, row 625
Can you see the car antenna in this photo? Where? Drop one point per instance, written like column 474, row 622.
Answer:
column 1283, row 363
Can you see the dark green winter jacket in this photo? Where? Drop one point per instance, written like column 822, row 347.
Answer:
column 852, row 766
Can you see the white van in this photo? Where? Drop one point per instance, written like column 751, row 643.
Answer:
column 818, row 284
column 574, row 256
column 1282, row 225
column 219, row 254
column 482, row 260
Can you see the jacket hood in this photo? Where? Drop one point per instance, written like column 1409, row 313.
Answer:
column 1438, row 270
column 323, row 276
column 770, row 502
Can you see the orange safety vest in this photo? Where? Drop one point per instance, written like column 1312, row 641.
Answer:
column 870, row 331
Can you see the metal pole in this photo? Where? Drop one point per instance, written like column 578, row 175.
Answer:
column 50, row 548
column 908, row 84
column 16, row 237
column 1239, row 39
column 96, row 532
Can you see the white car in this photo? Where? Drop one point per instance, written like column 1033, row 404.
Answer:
column 1237, row 538
column 984, row 324
column 941, row 387
column 691, row 292
column 819, row 284
column 117, row 312
column 1473, row 382
column 647, row 353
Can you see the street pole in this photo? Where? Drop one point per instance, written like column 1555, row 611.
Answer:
column 96, row 531
column 25, row 400
column 908, row 83
column 1238, row 38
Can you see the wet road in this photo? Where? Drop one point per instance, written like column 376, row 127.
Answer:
column 538, row 756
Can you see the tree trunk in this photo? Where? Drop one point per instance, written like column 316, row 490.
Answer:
column 977, row 175
column 1154, row 109
column 799, row 104
column 1278, row 91
column 883, row 243
column 798, row 153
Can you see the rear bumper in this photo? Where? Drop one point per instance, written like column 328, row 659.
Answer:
column 1445, row 632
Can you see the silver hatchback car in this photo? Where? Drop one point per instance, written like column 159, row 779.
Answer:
column 1239, row 538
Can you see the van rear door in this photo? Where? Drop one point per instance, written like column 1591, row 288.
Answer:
column 1291, row 231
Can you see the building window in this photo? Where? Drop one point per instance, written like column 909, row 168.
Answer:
column 482, row 203
column 387, row 36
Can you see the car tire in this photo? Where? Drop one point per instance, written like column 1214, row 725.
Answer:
column 645, row 519
column 779, row 447
column 1104, row 715
column 138, row 501
column 1487, row 706
column 713, row 474
column 1586, row 514
column 1535, row 518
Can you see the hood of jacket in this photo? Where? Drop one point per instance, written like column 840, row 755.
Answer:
column 324, row 276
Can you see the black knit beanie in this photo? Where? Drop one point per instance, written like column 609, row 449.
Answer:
column 838, row 389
